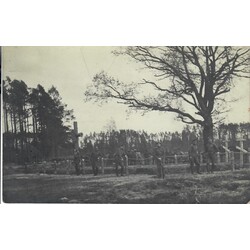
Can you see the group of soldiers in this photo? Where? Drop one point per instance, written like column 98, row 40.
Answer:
column 194, row 158
column 94, row 157
column 119, row 159
column 209, row 155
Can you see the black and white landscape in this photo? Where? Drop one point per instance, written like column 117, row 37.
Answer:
column 126, row 124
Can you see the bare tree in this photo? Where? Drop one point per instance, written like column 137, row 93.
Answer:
column 188, row 81
column 110, row 126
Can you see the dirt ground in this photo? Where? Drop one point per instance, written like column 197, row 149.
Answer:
column 221, row 187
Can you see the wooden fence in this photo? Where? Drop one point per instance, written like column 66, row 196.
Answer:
column 66, row 165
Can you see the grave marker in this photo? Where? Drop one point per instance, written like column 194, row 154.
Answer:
column 75, row 136
column 242, row 150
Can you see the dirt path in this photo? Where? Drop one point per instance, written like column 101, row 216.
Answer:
column 220, row 187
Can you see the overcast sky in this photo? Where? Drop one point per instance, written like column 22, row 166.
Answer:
column 71, row 69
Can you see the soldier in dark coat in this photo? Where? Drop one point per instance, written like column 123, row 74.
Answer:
column 77, row 161
column 93, row 162
column 194, row 157
column 210, row 156
column 119, row 161
column 157, row 155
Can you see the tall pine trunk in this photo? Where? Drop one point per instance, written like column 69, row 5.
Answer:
column 6, row 119
column 20, row 118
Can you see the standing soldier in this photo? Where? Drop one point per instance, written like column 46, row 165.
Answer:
column 77, row 161
column 119, row 161
column 93, row 161
column 210, row 155
column 158, row 160
column 194, row 157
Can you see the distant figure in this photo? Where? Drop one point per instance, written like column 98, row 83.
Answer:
column 77, row 161
column 158, row 160
column 119, row 161
column 132, row 157
column 139, row 158
column 210, row 156
column 194, row 157
column 93, row 162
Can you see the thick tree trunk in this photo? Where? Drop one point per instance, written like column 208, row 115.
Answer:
column 207, row 131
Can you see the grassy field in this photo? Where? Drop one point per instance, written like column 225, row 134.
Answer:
column 221, row 187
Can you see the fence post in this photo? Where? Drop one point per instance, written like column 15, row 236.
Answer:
column 241, row 153
column 83, row 166
column 218, row 157
column 201, row 158
column 175, row 159
column 55, row 170
column 151, row 160
column 226, row 155
column 68, row 166
column 241, row 159
column 102, row 165
column 44, row 167
column 164, row 157
column 232, row 161
column 248, row 155
column 126, row 164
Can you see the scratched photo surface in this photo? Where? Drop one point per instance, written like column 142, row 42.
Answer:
column 127, row 125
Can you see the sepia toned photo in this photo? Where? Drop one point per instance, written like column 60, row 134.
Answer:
column 126, row 125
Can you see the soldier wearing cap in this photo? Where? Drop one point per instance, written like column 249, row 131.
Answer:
column 210, row 155
column 157, row 154
column 77, row 161
column 93, row 162
column 194, row 157
column 119, row 161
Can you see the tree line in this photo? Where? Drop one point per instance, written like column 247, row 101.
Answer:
column 35, row 122
column 36, row 126
column 106, row 143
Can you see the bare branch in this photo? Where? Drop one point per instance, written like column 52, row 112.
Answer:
column 195, row 75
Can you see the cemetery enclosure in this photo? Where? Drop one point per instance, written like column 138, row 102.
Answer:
column 173, row 164
column 220, row 187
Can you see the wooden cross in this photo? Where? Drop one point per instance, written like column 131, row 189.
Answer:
column 75, row 136
column 241, row 140
column 241, row 148
column 227, row 151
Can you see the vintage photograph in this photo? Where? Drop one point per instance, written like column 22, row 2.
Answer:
column 126, row 125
